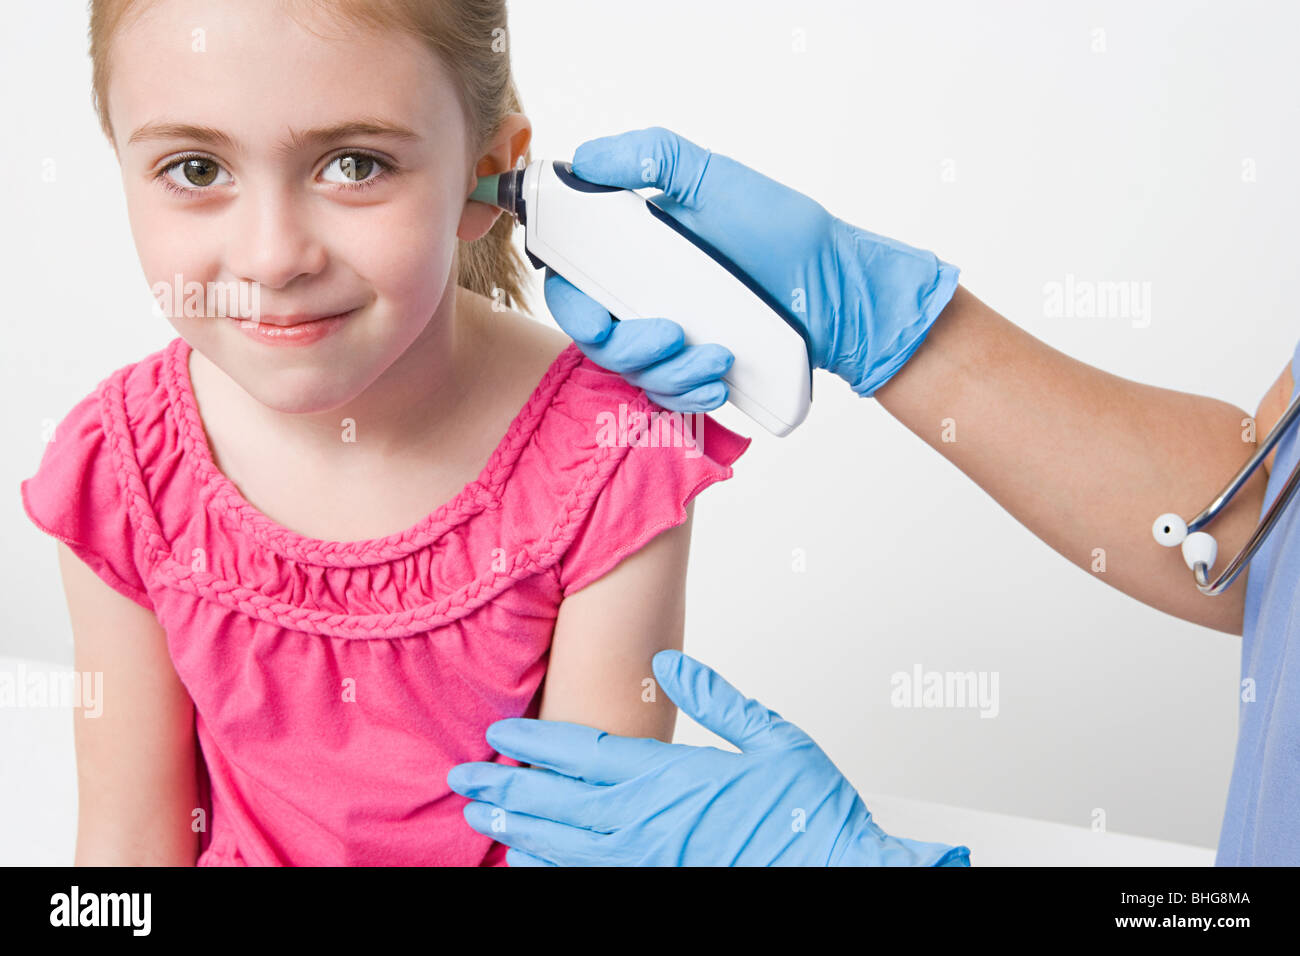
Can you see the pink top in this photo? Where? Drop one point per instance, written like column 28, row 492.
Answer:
column 335, row 684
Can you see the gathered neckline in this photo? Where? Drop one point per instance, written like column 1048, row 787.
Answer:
column 481, row 493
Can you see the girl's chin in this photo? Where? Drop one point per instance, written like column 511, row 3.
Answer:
column 307, row 398
column 296, row 382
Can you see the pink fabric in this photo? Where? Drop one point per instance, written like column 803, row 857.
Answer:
column 436, row 631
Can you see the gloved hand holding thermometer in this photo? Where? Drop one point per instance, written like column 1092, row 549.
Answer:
column 593, row 799
column 865, row 301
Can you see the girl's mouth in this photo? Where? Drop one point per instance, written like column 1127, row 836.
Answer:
column 298, row 333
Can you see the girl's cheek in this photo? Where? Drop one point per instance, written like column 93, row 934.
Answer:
column 163, row 245
column 408, row 253
column 416, row 273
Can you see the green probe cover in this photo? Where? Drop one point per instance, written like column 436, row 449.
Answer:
column 486, row 190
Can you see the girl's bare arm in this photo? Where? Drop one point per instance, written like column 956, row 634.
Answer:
column 1082, row 458
column 606, row 635
column 136, row 783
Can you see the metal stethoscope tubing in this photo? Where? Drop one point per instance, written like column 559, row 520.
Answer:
column 1199, row 548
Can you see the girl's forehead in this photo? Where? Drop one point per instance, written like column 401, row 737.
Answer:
column 250, row 64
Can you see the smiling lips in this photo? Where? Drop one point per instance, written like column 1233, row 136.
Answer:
column 297, row 318
column 292, row 329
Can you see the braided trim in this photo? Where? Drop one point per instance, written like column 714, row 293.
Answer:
column 480, row 494
column 530, row 559
column 150, row 543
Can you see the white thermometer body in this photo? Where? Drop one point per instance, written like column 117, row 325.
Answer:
column 638, row 262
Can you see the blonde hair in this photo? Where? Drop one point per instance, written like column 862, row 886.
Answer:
column 470, row 36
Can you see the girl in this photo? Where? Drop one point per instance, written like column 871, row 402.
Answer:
column 317, row 554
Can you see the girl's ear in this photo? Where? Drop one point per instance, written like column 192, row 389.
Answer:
column 507, row 147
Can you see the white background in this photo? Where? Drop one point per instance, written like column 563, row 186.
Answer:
column 1119, row 164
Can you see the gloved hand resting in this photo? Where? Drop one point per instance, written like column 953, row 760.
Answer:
column 592, row 798
column 866, row 301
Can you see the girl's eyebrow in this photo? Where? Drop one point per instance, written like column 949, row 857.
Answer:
column 370, row 126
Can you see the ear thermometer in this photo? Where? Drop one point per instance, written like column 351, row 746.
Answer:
column 637, row 261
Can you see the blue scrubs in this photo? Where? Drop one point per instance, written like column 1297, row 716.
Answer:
column 1261, row 825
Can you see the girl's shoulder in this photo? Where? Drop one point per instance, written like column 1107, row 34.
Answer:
column 89, row 490
column 598, row 468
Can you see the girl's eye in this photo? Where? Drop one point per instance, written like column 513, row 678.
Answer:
column 354, row 169
column 193, row 173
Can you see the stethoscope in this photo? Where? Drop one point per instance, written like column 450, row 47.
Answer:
column 1199, row 548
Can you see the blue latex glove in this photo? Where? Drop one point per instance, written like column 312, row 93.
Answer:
column 595, row 799
column 866, row 302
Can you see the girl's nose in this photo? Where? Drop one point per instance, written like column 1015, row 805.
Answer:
column 272, row 239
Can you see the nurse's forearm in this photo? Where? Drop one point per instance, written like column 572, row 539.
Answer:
column 1082, row 458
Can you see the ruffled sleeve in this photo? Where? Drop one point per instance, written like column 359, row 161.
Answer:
column 75, row 496
column 665, row 459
